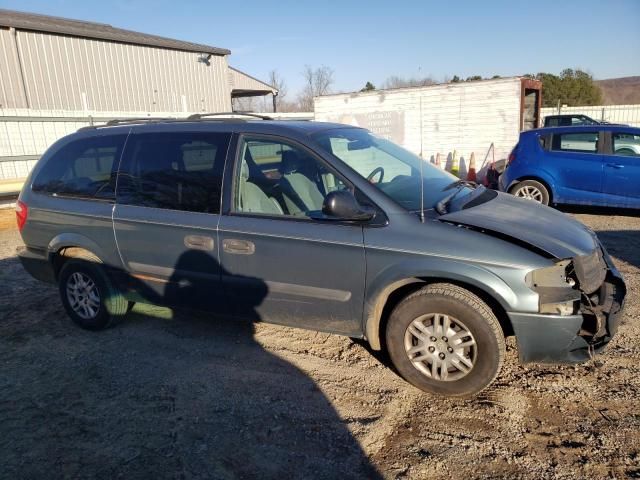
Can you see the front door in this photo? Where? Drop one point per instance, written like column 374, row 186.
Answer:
column 279, row 264
column 167, row 213
column 622, row 170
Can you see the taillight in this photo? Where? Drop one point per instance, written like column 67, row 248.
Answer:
column 22, row 211
column 512, row 157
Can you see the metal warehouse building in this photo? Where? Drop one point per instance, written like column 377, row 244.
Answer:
column 50, row 63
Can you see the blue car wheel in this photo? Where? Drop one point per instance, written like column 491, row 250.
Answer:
column 531, row 190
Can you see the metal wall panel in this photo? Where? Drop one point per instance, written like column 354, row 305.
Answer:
column 11, row 92
column 241, row 81
column 464, row 117
column 70, row 73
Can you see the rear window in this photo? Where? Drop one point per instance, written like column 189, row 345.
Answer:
column 84, row 168
column 174, row 171
column 583, row 142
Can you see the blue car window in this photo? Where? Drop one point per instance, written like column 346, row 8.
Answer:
column 583, row 142
column 626, row 144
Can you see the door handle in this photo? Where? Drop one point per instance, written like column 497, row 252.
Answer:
column 615, row 165
column 199, row 242
column 238, row 247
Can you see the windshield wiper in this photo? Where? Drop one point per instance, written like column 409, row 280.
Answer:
column 459, row 185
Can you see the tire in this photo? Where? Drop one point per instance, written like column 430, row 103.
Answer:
column 532, row 190
column 101, row 309
column 471, row 321
column 626, row 151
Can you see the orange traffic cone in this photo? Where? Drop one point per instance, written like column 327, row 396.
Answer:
column 471, row 175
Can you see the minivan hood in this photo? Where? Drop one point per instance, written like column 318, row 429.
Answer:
column 543, row 227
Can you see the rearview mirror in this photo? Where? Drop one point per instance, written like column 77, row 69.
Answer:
column 359, row 144
column 342, row 205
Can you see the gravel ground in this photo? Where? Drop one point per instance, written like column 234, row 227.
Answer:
column 173, row 395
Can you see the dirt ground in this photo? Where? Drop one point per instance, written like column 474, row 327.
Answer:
column 173, row 395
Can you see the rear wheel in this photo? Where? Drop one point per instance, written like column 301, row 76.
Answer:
column 88, row 295
column 531, row 190
column 445, row 340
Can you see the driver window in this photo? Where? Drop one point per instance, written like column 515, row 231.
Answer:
column 277, row 178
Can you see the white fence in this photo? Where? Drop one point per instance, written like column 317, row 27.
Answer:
column 25, row 134
column 627, row 114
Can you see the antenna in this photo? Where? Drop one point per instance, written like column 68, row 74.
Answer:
column 421, row 190
column 421, row 169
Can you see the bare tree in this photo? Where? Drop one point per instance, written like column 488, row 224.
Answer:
column 277, row 82
column 317, row 82
column 396, row 81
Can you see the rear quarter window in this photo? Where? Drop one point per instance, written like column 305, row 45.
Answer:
column 85, row 168
column 543, row 141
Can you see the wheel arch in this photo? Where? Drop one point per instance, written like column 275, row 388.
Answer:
column 548, row 184
column 70, row 245
column 386, row 300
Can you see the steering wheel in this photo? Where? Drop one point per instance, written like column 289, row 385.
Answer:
column 374, row 172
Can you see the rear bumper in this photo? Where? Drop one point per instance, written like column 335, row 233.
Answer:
column 569, row 339
column 501, row 182
column 36, row 263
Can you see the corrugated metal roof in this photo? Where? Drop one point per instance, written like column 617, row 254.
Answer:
column 100, row 31
column 244, row 85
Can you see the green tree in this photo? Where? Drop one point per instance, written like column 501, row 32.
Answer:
column 473, row 78
column 571, row 87
column 368, row 87
column 455, row 79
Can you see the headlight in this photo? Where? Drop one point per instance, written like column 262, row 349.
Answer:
column 556, row 290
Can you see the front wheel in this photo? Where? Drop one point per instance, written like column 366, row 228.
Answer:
column 531, row 190
column 444, row 339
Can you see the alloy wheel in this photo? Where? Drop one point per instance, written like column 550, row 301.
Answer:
column 83, row 295
column 530, row 192
column 441, row 347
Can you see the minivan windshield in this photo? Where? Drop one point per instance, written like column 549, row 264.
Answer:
column 389, row 167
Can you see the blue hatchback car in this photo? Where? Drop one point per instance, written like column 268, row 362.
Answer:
column 585, row 165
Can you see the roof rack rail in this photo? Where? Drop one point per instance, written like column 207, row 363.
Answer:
column 121, row 121
column 127, row 121
column 200, row 116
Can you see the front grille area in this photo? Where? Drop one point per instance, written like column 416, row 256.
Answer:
column 602, row 310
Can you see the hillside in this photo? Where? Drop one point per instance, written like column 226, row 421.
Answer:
column 620, row 91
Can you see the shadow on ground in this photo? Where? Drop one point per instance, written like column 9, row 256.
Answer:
column 165, row 394
column 623, row 244
column 590, row 210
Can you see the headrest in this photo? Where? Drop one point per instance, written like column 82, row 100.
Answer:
column 244, row 171
column 290, row 162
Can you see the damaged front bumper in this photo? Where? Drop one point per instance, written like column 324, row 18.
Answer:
column 548, row 338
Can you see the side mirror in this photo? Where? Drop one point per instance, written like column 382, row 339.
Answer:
column 342, row 205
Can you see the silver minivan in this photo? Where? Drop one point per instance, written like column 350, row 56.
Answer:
column 320, row 226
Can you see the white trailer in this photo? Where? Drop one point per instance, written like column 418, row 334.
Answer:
column 465, row 117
